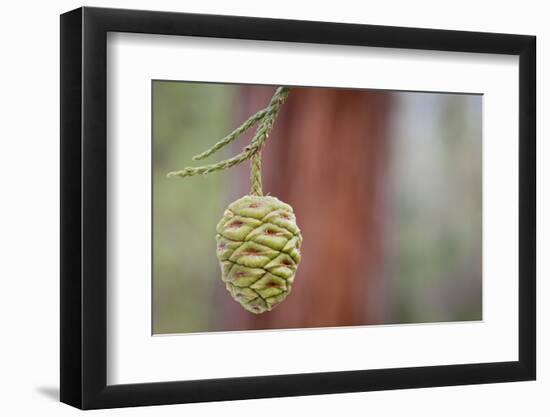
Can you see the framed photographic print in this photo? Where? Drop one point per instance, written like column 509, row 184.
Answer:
column 258, row 208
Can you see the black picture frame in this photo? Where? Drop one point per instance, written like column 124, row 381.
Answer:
column 84, row 207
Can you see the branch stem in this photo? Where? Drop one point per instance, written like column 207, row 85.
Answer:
column 265, row 117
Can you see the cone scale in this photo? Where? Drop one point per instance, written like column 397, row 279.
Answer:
column 258, row 247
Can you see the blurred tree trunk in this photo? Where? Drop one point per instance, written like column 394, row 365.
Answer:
column 327, row 157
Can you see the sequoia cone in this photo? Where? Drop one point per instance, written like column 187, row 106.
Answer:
column 258, row 246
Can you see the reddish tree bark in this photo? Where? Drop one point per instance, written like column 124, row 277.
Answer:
column 327, row 156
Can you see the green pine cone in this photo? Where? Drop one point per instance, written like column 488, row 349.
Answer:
column 258, row 246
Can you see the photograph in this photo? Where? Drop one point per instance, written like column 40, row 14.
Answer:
column 358, row 197
column 293, row 207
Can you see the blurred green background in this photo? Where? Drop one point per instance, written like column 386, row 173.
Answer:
column 428, row 240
